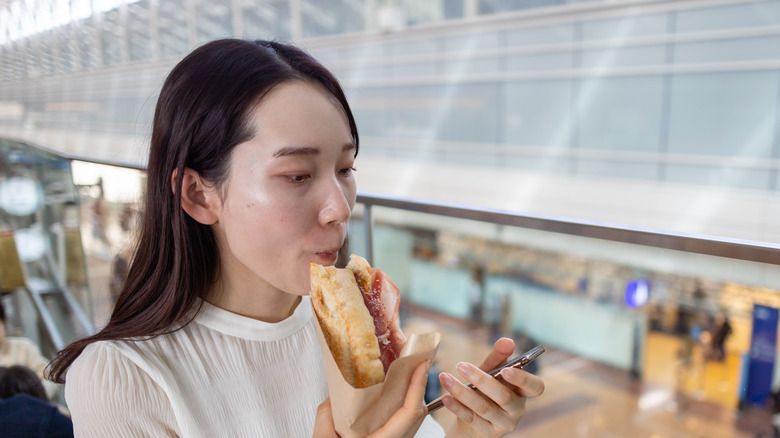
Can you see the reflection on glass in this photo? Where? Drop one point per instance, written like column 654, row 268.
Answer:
column 44, row 273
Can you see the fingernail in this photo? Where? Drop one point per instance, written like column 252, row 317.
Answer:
column 464, row 369
column 446, row 380
column 509, row 373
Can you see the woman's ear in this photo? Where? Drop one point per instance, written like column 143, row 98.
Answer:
column 198, row 199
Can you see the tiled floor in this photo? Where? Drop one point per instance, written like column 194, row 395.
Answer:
column 586, row 399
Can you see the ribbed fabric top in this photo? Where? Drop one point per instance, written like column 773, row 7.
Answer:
column 222, row 375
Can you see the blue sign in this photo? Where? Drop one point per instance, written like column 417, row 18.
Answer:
column 761, row 360
column 637, row 292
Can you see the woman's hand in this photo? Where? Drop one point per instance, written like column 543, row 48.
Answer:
column 404, row 422
column 323, row 421
column 497, row 407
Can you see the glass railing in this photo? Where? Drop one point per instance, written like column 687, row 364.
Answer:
column 42, row 261
column 610, row 293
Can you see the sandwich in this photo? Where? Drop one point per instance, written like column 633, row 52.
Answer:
column 357, row 309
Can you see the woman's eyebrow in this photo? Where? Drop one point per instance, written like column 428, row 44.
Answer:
column 307, row 150
column 296, row 150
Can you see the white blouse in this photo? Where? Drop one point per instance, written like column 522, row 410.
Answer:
column 221, row 375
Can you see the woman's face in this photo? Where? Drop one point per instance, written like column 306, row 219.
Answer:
column 289, row 193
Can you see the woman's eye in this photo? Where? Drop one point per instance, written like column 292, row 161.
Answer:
column 348, row 170
column 298, row 178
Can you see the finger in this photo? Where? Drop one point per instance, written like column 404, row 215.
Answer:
column 502, row 349
column 478, row 404
column 528, row 384
column 416, row 392
column 406, row 420
column 503, row 394
column 323, row 421
column 468, row 420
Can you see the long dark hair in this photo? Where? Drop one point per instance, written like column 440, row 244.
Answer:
column 201, row 115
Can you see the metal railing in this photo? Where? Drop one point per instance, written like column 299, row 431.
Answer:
column 747, row 250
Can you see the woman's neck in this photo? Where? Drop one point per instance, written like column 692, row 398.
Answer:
column 268, row 306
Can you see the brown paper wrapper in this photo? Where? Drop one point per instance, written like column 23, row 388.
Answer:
column 381, row 400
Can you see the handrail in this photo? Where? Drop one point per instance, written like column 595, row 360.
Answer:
column 748, row 250
column 46, row 318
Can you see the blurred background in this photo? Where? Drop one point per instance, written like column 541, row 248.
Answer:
column 598, row 177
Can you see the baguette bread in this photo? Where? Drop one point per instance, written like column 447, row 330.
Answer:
column 346, row 324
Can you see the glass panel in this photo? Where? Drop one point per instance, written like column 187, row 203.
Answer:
column 111, row 37
column 41, row 246
column 110, row 200
column 466, row 64
column 623, row 56
column 752, row 14
column 498, row 6
column 328, row 17
column 472, row 42
column 627, row 26
column 726, row 114
column 415, row 47
column 607, row 301
column 554, row 33
column 729, row 50
column 459, row 112
column 214, row 20
column 172, row 29
column 85, row 34
column 371, row 110
column 453, row 9
column 413, row 69
column 538, row 113
column 138, row 31
column 563, row 60
column 267, row 20
column 622, row 113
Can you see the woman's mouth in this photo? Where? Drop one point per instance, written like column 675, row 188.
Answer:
column 326, row 258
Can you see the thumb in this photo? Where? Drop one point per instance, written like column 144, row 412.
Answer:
column 406, row 420
column 323, row 421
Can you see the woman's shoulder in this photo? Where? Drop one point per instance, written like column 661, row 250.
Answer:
column 100, row 358
column 106, row 387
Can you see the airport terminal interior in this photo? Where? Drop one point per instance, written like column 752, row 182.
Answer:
column 598, row 177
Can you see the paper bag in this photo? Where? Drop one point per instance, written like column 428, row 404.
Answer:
column 381, row 400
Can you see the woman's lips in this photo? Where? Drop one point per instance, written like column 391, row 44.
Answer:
column 327, row 257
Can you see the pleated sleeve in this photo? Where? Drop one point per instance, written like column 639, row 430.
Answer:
column 110, row 396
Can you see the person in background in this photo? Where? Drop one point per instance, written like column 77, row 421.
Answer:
column 24, row 409
column 721, row 333
column 477, row 294
column 250, row 179
column 22, row 351
column 19, row 379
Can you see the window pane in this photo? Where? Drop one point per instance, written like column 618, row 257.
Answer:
column 738, row 49
column 625, row 56
column 729, row 17
column 730, row 114
column 538, row 113
column 622, row 113
column 624, row 27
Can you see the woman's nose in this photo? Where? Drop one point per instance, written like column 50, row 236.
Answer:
column 337, row 204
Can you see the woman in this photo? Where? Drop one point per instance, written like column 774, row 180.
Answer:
column 250, row 178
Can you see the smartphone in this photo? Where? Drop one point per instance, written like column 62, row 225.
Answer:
column 518, row 362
